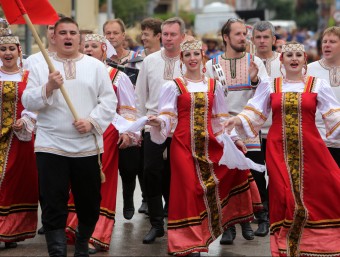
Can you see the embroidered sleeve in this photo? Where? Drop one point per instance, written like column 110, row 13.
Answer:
column 34, row 97
column 25, row 134
column 220, row 112
column 126, row 98
column 256, row 111
column 142, row 89
column 329, row 107
column 167, row 109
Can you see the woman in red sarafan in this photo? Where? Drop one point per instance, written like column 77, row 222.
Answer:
column 205, row 197
column 18, row 172
column 304, row 179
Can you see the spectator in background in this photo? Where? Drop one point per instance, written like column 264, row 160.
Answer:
column 83, row 33
column 114, row 31
column 151, row 35
column 131, row 44
column 212, row 41
column 278, row 45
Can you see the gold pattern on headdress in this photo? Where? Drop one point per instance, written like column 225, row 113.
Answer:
column 95, row 37
column 293, row 48
column 6, row 36
column 191, row 45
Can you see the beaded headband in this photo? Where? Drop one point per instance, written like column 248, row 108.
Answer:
column 293, row 48
column 191, row 45
column 95, row 37
column 6, row 36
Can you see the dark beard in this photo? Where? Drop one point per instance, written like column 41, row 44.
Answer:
column 239, row 49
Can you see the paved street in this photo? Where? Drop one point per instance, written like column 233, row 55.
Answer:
column 127, row 240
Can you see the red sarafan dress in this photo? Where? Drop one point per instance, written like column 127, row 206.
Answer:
column 104, row 227
column 304, row 179
column 205, row 198
column 18, row 171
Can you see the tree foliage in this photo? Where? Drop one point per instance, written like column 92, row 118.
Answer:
column 304, row 12
column 307, row 18
column 284, row 9
column 129, row 11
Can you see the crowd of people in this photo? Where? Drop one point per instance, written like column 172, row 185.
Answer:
column 197, row 125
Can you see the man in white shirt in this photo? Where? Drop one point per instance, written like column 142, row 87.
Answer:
column 68, row 151
column 158, row 68
column 151, row 35
column 37, row 58
column 240, row 87
column 328, row 68
column 263, row 38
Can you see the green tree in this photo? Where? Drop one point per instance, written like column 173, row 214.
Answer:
column 304, row 12
column 129, row 11
column 308, row 18
column 284, row 9
column 188, row 17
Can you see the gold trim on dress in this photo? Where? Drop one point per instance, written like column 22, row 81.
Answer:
column 292, row 119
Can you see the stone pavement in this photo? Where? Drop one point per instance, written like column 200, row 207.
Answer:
column 128, row 235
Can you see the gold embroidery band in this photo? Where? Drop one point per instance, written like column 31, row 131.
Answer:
column 294, row 162
column 204, row 167
column 8, row 114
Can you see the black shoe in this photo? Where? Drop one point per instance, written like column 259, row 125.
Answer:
column 128, row 213
column 56, row 243
column 92, row 250
column 263, row 229
column 247, row 231
column 153, row 233
column 227, row 237
column 11, row 245
column 81, row 245
column 143, row 208
column 41, row 231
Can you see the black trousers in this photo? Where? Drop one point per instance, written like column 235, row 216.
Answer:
column 335, row 152
column 129, row 165
column 57, row 174
column 260, row 180
column 156, row 174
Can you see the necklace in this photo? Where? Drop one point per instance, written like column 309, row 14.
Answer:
column 9, row 72
column 185, row 79
column 302, row 80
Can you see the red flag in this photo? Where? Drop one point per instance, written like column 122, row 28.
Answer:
column 39, row 11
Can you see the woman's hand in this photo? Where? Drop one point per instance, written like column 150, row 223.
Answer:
column 253, row 71
column 241, row 146
column 123, row 141
column 18, row 125
column 154, row 121
column 231, row 123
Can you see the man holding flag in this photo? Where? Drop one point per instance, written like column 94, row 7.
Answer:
column 67, row 148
